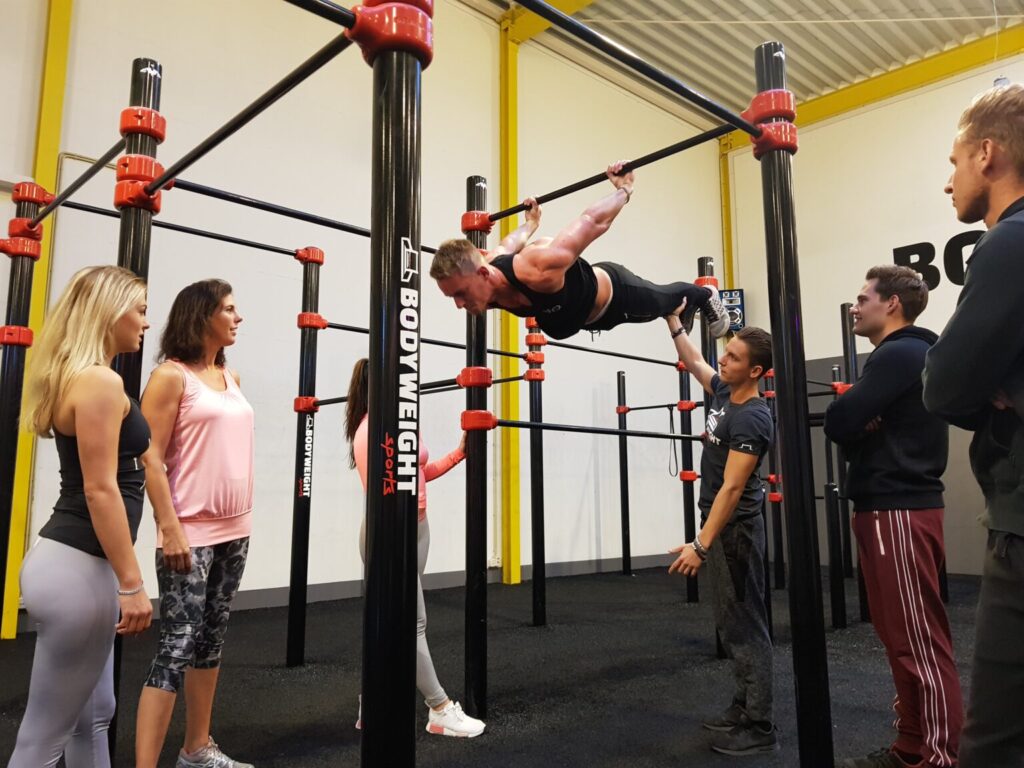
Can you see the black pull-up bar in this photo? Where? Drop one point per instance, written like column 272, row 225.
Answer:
column 432, row 342
column 292, row 79
column 77, row 184
column 608, row 353
column 634, row 62
column 594, row 430
column 327, row 10
column 632, row 165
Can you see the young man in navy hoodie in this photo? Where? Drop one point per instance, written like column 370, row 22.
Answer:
column 897, row 453
column 974, row 378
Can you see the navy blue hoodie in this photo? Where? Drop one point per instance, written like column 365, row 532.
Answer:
column 899, row 465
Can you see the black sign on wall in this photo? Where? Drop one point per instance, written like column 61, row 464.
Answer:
column 920, row 257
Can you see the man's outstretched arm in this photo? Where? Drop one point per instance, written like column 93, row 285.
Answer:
column 566, row 247
column 689, row 355
column 517, row 239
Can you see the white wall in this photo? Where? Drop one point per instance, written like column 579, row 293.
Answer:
column 21, row 59
column 865, row 184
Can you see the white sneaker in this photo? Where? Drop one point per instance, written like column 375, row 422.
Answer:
column 715, row 314
column 209, row 756
column 452, row 721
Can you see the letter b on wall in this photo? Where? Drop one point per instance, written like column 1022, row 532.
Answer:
column 919, row 257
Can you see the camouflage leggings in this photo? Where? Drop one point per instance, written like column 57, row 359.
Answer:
column 194, row 609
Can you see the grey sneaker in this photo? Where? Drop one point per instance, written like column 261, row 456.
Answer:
column 715, row 313
column 209, row 756
column 725, row 721
column 882, row 758
column 747, row 738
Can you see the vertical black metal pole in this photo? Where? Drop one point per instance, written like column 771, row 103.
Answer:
column 133, row 253
column 12, row 379
column 295, row 650
column 627, row 564
column 540, row 600
column 810, row 663
column 389, row 625
column 850, row 364
column 845, row 530
column 767, row 571
column 476, row 492
column 689, row 503
column 778, row 541
column 834, row 534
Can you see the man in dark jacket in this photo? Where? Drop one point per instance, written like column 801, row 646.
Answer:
column 897, row 453
column 974, row 376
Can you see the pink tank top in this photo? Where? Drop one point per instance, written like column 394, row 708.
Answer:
column 210, row 461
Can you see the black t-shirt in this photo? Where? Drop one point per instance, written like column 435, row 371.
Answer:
column 562, row 313
column 744, row 427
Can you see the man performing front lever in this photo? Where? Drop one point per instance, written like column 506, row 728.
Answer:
column 547, row 279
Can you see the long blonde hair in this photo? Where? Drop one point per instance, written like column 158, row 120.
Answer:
column 78, row 333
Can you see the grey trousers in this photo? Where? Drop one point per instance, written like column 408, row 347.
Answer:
column 72, row 597
column 736, row 568
column 426, row 678
column 993, row 735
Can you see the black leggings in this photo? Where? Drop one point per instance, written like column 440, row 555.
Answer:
column 635, row 300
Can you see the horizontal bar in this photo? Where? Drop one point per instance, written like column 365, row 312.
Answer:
column 821, row 394
column 597, row 178
column 95, row 167
column 821, row 383
column 435, row 390
column 651, row 407
column 432, row 342
column 327, row 10
column 621, row 355
column 634, row 62
column 593, row 430
column 332, row 400
column 439, row 383
column 280, row 210
column 186, row 230
column 292, row 79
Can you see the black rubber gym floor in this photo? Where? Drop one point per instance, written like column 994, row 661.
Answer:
column 620, row 677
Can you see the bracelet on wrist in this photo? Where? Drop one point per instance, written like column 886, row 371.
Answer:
column 629, row 192
column 129, row 592
column 699, row 548
column 678, row 332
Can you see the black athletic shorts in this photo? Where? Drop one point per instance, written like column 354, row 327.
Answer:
column 635, row 300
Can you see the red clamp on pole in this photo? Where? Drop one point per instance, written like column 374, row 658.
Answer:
column 773, row 479
column 775, row 136
column 534, row 358
column 22, row 246
column 532, row 324
column 476, row 420
column 21, row 227
column 306, row 405
column 681, row 367
column 534, row 374
column 143, row 120
column 769, row 394
column 620, row 409
column 770, row 373
column 311, row 320
column 134, row 173
column 406, row 26
column 536, row 340
column 768, row 105
column 704, row 280
column 688, row 476
column 476, row 221
column 686, row 405
column 15, row 336
column 28, row 192
column 309, row 255
column 841, row 387
column 475, row 376
column 775, row 497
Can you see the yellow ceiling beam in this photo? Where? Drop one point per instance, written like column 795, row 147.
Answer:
column 523, row 25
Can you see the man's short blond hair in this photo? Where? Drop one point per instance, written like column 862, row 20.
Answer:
column 455, row 257
column 998, row 114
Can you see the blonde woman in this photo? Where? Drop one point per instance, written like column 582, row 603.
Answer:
column 82, row 571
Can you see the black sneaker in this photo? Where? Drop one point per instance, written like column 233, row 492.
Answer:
column 727, row 720
column 882, row 758
column 746, row 738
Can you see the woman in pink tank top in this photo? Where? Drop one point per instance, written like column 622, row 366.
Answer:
column 444, row 716
column 199, row 476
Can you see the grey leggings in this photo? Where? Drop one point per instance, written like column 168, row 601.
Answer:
column 426, row 678
column 72, row 597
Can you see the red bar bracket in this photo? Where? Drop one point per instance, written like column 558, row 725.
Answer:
column 534, row 358
column 534, row 374
column 620, row 409
column 773, row 479
column 768, row 105
column 20, row 228
column 22, row 246
column 310, row 255
column 476, row 420
column 15, row 336
column 311, row 320
column 134, row 173
column 306, row 405
column 681, row 366
column 531, row 323
column 28, row 192
column 143, row 120
column 132, row 194
column 688, row 476
column 140, row 168
column 775, row 136
column 476, row 376
column 477, row 221
column 394, row 27
column 706, row 280
column 687, row 405
column 775, row 497
column 841, row 387
column 536, row 340
column 769, row 394
column 770, row 373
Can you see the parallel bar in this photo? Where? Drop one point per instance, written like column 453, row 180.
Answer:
column 332, row 400
column 850, row 367
column 627, row 564
column 280, row 210
column 292, row 79
column 594, row 430
column 432, row 342
column 327, row 10
column 810, row 661
column 186, row 230
column 845, row 530
column 634, row 62
column 540, row 605
column 689, row 503
column 620, row 355
column 650, row 407
column 640, row 162
column 80, row 182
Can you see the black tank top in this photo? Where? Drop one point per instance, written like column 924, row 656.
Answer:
column 559, row 314
column 70, row 522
